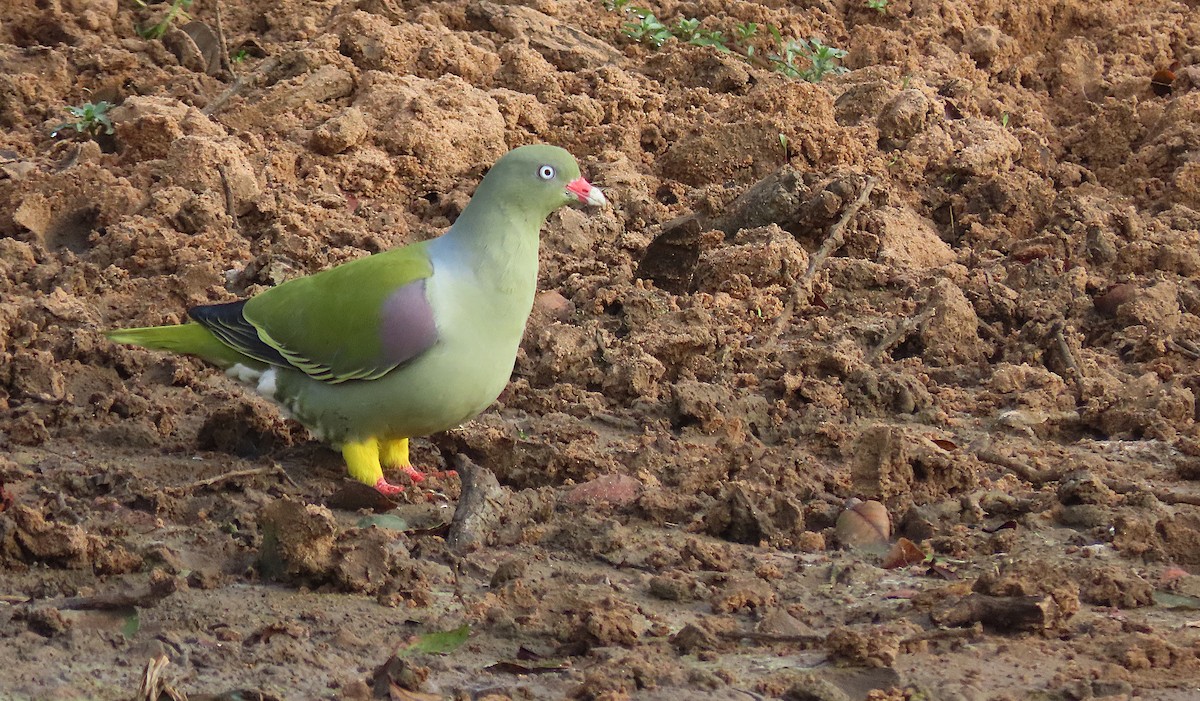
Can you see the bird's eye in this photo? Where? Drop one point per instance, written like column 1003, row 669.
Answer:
column 546, row 172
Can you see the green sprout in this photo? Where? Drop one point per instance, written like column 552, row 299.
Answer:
column 878, row 5
column 744, row 32
column 239, row 56
column 91, row 118
column 178, row 9
column 1004, row 120
column 648, row 29
column 690, row 31
column 743, row 37
column 791, row 58
column 823, row 58
column 685, row 29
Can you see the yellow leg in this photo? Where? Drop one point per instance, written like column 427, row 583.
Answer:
column 394, row 453
column 362, row 460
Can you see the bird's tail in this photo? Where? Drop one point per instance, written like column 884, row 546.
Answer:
column 189, row 339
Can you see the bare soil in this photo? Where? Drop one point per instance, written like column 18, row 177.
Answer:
column 999, row 345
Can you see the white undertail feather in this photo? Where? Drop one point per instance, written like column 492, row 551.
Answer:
column 243, row 374
column 266, row 383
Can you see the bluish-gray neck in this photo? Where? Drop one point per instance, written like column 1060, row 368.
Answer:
column 498, row 245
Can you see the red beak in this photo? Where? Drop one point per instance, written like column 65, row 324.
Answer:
column 586, row 192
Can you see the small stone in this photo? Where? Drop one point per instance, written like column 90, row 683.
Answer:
column 297, row 538
column 508, row 571
column 693, row 638
column 340, row 133
column 616, row 490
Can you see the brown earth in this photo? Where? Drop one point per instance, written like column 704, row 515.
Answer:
column 1003, row 351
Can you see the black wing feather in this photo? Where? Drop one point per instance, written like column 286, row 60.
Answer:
column 228, row 324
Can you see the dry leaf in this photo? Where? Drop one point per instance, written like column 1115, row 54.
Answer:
column 863, row 523
column 903, row 553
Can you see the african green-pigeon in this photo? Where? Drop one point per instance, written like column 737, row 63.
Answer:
column 405, row 343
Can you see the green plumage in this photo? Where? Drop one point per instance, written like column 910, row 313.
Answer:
column 327, row 324
column 186, row 339
column 366, row 357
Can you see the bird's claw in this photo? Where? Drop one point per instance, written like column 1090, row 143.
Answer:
column 386, row 488
column 417, row 476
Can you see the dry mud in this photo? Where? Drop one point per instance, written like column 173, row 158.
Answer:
column 1002, row 351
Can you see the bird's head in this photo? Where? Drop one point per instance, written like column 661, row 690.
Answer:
column 541, row 179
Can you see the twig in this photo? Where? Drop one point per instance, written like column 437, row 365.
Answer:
column 804, row 639
column 972, row 632
column 837, row 236
column 239, row 85
column 1068, row 355
column 906, row 327
column 142, row 597
column 833, row 241
column 1185, row 347
column 1030, row 474
column 229, row 208
column 1166, row 496
column 1001, row 613
column 153, row 686
column 225, row 62
column 274, row 469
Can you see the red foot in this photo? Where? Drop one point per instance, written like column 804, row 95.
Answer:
column 388, row 489
column 417, row 476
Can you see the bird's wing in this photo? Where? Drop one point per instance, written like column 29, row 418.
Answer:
column 357, row 321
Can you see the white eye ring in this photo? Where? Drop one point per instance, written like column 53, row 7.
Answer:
column 546, row 172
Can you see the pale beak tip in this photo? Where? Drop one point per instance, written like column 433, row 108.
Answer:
column 596, row 198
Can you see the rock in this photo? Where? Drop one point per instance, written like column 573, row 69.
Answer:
column 881, row 466
column 1156, row 307
column 550, row 306
column 904, row 117
column 340, row 132
column 985, row 43
column 1083, row 487
column 146, row 126
column 567, row 47
column 670, row 259
column 777, row 621
column 45, row 541
column 765, row 256
column 908, row 241
column 870, row 646
column 673, row 586
column 615, row 490
column 692, row 638
column 951, row 335
column 814, row 688
column 297, row 539
column 248, row 429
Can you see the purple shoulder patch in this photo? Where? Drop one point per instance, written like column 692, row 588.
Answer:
column 407, row 328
